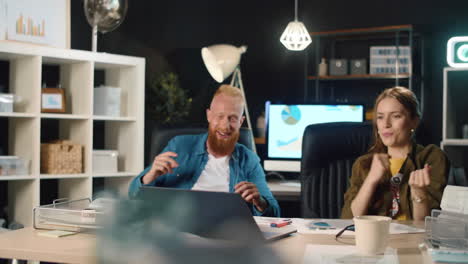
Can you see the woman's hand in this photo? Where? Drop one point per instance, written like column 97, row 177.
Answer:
column 419, row 179
column 380, row 165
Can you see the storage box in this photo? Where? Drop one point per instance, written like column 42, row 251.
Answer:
column 105, row 161
column 383, row 60
column 61, row 157
column 358, row 67
column 338, row 67
column 13, row 165
column 6, row 102
column 107, row 101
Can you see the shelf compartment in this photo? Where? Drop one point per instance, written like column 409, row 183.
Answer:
column 112, row 135
column 23, row 141
column 24, row 81
column 70, row 188
column 22, row 198
column 76, row 130
column 454, row 105
column 75, row 79
column 126, row 78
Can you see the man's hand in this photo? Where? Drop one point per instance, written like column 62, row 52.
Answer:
column 380, row 165
column 249, row 192
column 162, row 164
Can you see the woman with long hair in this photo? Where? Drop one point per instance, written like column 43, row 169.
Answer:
column 397, row 177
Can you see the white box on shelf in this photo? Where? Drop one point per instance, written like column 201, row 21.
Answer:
column 13, row 165
column 107, row 101
column 6, row 102
column 383, row 60
column 105, row 161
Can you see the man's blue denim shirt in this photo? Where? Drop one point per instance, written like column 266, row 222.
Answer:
column 192, row 156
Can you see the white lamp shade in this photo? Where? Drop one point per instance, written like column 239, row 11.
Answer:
column 295, row 36
column 221, row 60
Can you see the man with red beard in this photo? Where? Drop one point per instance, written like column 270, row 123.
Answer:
column 213, row 161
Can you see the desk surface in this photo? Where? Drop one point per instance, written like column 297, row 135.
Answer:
column 80, row 248
column 291, row 249
column 28, row 245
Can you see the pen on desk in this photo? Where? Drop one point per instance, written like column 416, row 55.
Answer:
column 280, row 224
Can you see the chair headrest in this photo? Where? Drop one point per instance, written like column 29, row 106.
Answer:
column 327, row 142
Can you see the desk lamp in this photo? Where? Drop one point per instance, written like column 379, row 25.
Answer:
column 223, row 60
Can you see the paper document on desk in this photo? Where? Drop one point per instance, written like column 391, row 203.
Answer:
column 322, row 226
column 262, row 220
column 333, row 226
column 327, row 254
column 455, row 199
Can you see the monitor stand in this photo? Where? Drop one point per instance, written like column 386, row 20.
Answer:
column 282, row 165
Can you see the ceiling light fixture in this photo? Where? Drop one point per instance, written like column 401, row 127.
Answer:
column 295, row 36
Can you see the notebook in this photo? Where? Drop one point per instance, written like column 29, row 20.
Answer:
column 209, row 214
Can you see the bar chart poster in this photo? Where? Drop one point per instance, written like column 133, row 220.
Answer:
column 41, row 22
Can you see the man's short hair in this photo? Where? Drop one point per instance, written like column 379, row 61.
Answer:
column 231, row 91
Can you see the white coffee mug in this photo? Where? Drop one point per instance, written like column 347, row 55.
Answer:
column 371, row 233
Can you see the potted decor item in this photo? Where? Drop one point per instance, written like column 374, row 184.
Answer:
column 166, row 102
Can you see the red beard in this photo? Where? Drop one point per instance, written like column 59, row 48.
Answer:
column 222, row 147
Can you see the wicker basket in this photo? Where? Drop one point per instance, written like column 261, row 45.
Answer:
column 61, row 157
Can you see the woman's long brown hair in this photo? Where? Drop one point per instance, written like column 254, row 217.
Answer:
column 406, row 98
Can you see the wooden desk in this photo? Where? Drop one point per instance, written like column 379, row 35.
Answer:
column 292, row 249
column 80, row 248
column 26, row 244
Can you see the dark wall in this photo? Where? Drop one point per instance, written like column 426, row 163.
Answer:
column 170, row 34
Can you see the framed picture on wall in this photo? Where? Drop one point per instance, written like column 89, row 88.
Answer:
column 44, row 22
column 53, row 100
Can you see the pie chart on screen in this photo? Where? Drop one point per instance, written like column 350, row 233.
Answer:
column 291, row 114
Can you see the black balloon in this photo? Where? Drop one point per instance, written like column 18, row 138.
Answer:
column 107, row 15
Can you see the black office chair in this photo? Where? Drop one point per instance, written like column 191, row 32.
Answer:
column 160, row 136
column 328, row 153
column 457, row 176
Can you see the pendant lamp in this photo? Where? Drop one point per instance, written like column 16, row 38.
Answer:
column 295, row 36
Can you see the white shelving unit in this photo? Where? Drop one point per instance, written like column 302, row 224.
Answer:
column 453, row 120
column 77, row 70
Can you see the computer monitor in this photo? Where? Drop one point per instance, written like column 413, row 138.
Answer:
column 285, row 125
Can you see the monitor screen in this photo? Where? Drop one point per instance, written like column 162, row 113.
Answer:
column 286, row 123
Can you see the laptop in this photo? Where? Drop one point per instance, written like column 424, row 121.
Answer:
column 218, row 215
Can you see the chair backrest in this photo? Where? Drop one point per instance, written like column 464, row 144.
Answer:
column 457, row 176
column 328, row 153
column 161, row 135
